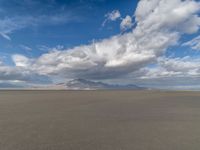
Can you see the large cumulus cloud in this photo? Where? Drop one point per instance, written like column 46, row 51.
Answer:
column 159, row 26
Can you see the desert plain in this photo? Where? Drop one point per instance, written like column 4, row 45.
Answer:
column 99, row 120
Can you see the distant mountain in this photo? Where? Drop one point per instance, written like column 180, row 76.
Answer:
column 82, row 84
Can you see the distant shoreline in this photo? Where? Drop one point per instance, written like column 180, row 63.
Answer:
column 76, row 90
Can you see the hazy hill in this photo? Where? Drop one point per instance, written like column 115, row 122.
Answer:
column 77, row 84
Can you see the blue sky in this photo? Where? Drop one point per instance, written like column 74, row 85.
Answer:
column 123, row 41
column 75, row 22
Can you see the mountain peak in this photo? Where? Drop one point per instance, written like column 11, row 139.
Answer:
column 84, row 84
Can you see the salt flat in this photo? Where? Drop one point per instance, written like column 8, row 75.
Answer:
column 99, row 120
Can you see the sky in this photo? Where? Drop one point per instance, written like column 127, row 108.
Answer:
column 152, row 43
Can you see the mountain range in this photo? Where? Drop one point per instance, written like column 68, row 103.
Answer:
column 83, row 84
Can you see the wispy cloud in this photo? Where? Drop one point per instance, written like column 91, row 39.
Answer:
column 5, row 36
column 111, row 16
column 10, row 24
column 194, row 43
column 45, row 48
column 25, row 47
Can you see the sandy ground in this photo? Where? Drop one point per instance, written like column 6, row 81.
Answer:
column 99, row 120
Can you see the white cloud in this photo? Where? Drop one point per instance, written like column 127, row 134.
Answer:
column 12, row 74
column 126, row 23
column 112, row 16
column 185, row 65
column 169, row 73
column 43, row 48
column 174, row 15
column 21, row 61
column 194, row 43
column 20, row 74
column 157, row 29
column 25, row 47
column 124, row 54
column 174, row 67
column 5, row 36
column 158, row 26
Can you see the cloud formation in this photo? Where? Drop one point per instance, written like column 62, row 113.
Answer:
column 159, row 25
column 126, row 23
column 13, row 74
column 173, row 67
column 25, row 47
column 172, row 15
column 20, row 74
column 178, row 73
column 5, row 36
column 194, row 43
column 112, row 16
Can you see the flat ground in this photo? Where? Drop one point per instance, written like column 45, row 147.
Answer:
column 99, row 120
